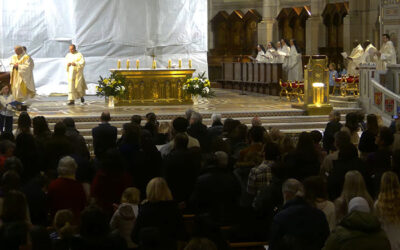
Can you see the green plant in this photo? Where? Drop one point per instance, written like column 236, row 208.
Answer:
column 199, row 85
column 111, row 86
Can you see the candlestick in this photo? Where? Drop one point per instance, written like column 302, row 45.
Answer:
column 128, row 64
column 190, row 63
column 137, row 64
column 119, row 64
column 154, row 64
column 180, row 63
column 169, row 63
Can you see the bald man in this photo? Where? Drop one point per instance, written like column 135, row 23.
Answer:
column 76, row 81
column 22, row 83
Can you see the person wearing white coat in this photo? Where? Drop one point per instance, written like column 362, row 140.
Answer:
column 284, row 53
column 295, row 66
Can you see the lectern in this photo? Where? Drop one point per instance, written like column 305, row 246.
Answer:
column 316, row 87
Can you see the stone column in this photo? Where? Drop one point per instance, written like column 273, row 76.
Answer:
column 268, row 28
column 315, row 28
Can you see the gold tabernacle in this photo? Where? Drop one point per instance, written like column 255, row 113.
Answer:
column 154, row 87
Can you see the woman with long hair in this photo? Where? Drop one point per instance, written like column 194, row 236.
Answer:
column 295, row 65
column 161, row 213
column 352, row 126
column 387, row 207
column 367, row 141
column 353, row 186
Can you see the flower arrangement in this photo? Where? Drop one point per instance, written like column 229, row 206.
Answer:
column 198, row 86
column 111, row 86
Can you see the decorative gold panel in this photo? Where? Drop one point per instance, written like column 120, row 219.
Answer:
column 154, row 87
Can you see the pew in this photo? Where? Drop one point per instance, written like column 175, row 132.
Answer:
column 255, row 77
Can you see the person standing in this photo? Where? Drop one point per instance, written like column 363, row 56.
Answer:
column 285, row 51
column 295, row 66
column 387, row 54
column 6, row 112
column 21, row 78
column 354, row 59
column 260, row 53
column 270, row 55
column 369, row 53
column 76, row 81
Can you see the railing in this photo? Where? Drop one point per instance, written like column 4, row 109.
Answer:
column 380, row 91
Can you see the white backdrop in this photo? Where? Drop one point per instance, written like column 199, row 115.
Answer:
column 103, row 31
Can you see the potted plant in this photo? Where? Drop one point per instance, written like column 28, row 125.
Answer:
column 198, row 87
column 111, row 87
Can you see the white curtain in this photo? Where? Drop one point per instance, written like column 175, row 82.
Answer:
column 103, row 31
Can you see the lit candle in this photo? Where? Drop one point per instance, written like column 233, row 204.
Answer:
column 119, row 64
column 154, row 64
column 169, row 63
column 128, row 64
column 190, row 63
column 180, row 63
column 137, row 64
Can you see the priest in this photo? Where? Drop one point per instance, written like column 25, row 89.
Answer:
column 76, row 81
column 369, row 53
column 354, row 59
column 21, row 78
column 387, row 54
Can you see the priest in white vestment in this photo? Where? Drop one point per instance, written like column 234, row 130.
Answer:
column 76, row 81
column 295, row 66
column 354, row 59
column 369, row 53
column 387, row 53
column 22, row 83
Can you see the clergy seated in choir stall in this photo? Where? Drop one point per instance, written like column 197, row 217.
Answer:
column 76, row 81
column 22, row 83
column 369, row 53
column 295, row 66
column 387, row 53
column 354, row 59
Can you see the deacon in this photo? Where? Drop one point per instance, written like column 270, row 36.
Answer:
column 354, row 59
column 387, row 54
column 76, row 81
column 22, row 83
column 369, row 53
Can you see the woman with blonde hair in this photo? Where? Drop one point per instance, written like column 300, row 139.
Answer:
column 353, row 186
column 161, row 213
column 387, row 207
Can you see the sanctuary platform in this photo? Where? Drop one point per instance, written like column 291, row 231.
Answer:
column 273, row 111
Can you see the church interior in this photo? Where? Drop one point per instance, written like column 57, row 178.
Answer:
column 194, row 124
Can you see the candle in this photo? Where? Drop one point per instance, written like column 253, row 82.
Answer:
column 190, row 63
column 137, row 64
column 169, row 63
column 154, row 64
column 119, row 64
column 128, row 64
column 180, row 63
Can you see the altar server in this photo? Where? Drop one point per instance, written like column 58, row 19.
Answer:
column 369, row 53
column 22, row 83
column 285, row 51
column 295, row 66
column 260, row 54
column 76, row 81
column 271, row 54
column 387, row 53
column 354, row 59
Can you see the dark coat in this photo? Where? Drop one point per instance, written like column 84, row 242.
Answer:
column 329, row 135
column 298, row 225
column 358, row 230
column 56, row 148
column 199, row 131
column 367, row 142
column 76, row 139
column 163, row 219
column 104, row 138
column 217, row 192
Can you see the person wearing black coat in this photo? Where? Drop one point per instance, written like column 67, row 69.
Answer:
column 104, row 135
column 298, row 225
column 199, row 131
column 331, row 128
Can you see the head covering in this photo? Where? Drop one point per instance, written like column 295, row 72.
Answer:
column 358, row 204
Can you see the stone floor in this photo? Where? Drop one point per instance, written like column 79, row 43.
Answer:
column 225, row 102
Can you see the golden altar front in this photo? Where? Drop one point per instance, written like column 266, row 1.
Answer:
column 154, row 86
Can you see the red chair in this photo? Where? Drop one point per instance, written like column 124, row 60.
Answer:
column 297, row 90
column 284, row 89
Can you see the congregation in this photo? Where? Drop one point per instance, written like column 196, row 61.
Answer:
column 334, row 190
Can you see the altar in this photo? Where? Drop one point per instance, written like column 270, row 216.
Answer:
column 154, row 86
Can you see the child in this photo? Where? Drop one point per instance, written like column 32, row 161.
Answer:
column 332, row 75
column 124, row 218
column 6, row 110
column 64, row 230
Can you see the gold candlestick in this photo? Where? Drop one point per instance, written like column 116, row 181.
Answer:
column 119, row 64
column 169, row 63
column 180, row 63
column 190, row 63
column 137, row 64
column 154, row 64
column 128, row 64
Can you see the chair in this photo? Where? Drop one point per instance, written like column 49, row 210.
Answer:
column 297, row 90
column 351, row 86
column 284, row 89
column 337, row 85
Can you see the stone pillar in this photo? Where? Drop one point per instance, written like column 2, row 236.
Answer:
column 315, row 28
column 268, row 28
